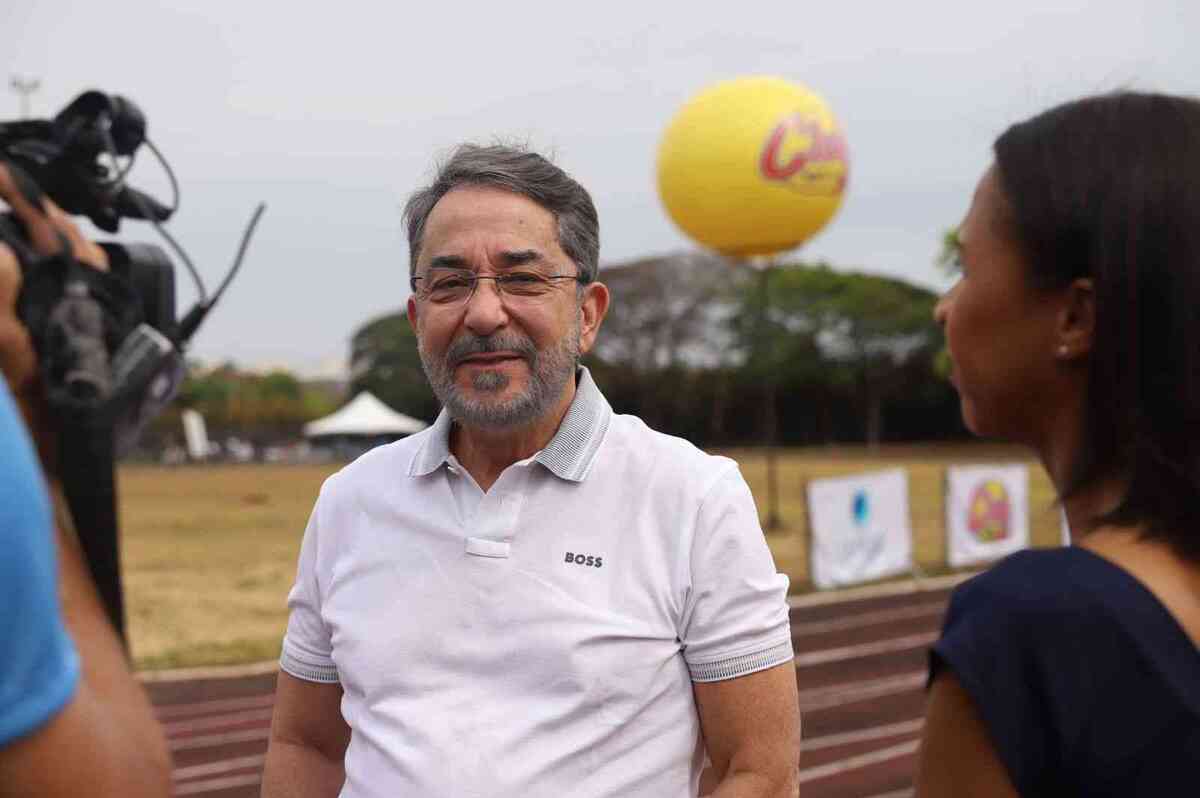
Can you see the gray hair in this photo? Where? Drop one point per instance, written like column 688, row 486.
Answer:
column 523, row 172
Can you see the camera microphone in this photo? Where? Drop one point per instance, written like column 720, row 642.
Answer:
column 191, row 321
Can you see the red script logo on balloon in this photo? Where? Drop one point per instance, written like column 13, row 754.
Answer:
column 805, row 157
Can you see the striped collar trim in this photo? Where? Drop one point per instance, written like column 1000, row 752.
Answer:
column 569, row 454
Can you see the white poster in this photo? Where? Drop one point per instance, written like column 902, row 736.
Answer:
column 195, row 434
column 987, row 512
column 860, row 528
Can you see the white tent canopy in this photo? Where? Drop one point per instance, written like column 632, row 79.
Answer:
column 364, row 415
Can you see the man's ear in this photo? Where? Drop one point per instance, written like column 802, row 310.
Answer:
column 592, row 311
column 411, row 313
column 1076, row 323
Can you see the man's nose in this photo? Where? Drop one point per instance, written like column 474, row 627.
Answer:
column 485, row 311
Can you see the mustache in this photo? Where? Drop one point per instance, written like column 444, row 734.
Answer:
column 470, row 344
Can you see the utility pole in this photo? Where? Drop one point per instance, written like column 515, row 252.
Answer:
column 24, row 87
column 764, row 349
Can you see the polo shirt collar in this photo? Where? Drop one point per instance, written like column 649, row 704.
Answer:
column 569, row 454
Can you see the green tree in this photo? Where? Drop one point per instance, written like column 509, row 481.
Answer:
column 280, row 385
column 858, row 330
column 263, row 408
column 949, row 260
column 384, row 361
column 948, row 254
column 665, row 352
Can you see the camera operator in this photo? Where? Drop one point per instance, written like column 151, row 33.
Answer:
column 73, row 719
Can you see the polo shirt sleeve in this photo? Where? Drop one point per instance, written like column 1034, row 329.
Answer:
column 735, row 617
column 39, row 667
column 307, row 647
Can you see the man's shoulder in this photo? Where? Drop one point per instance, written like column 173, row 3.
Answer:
column 647, row 448
column 40, row 668
column 385, row 464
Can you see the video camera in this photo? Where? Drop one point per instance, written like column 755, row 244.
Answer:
column 109, row 345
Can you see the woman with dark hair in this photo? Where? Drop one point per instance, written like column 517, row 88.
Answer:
column 1075, row 329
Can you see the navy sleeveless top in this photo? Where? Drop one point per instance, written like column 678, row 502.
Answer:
column 1086, row 684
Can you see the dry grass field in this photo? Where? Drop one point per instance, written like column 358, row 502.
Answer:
column 209, row 552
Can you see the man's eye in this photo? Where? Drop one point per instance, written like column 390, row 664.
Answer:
column 450, row 284
column 523, row 278
column 524, row 282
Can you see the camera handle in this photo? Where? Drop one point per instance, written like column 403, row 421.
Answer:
column 87, row 469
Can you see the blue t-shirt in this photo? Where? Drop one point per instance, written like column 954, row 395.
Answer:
column 1086, row 684
column 39, row 668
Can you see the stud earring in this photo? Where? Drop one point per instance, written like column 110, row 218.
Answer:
column 1062, row 350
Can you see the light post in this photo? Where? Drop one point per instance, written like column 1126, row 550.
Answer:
column 763, row 346
column 24, row 88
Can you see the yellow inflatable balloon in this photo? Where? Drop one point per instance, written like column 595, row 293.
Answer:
column 753, row 166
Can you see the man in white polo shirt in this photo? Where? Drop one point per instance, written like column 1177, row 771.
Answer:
column 535, row 596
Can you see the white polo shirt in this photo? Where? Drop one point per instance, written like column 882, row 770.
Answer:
column 539, row 639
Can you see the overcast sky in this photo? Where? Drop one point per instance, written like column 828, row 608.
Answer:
column 332, row 112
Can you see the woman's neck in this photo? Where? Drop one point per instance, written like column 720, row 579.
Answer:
column 1059, row 448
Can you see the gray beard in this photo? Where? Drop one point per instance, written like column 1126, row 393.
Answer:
column 549, row 371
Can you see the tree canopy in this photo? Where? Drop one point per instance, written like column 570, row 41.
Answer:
column 686, row 346
column 384, row 361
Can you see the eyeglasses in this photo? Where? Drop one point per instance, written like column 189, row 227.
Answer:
column 452, row 288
